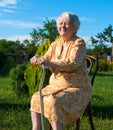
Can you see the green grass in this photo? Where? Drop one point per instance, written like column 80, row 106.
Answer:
column 103, row 95
column 14, row 111
column 15, row 114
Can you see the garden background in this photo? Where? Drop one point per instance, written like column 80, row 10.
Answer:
column 19, row 79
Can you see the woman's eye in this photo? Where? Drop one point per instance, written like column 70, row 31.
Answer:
column 68, row 24
column 65, row 24
column 60, row 23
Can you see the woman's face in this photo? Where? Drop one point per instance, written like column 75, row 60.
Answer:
column 65, row 27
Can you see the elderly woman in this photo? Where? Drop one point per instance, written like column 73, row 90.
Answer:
column 69, row 90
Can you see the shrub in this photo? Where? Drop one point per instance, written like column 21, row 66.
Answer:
column 32, row 77
column 16, row 75
column 2, row 59
column 110, row 66
column 33, row 74
column 102, row 65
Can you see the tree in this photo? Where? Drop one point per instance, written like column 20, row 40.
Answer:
column 99, row 47
column 101, row 38
column 11, row 47
column 49, row 31
column 108, row 37
column 10, row 55
column 30, row 48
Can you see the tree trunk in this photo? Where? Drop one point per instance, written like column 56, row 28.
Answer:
column 112, row 52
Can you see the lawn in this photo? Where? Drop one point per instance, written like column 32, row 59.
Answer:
column 15, row 114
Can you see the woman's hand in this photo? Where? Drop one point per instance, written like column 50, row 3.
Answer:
column 37, row 60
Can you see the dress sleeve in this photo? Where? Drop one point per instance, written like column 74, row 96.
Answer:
column 75, row 58
column 49, row 52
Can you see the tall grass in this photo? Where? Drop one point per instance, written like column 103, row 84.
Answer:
column 15, row 114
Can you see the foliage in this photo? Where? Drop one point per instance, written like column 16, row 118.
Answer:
column 6, row 63
column 11, row 47
column 2, row 59
column 49, row 31
column 32, row 74
column 110, row 66
column 17, row 79
column 99, row 41
column 11, row 53
column 9, row 64
column 102, row 65
column 29, row 48
column 97, row 51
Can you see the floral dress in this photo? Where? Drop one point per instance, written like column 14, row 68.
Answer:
column 69, row 91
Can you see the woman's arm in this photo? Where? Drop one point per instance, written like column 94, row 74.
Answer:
column 75, row 58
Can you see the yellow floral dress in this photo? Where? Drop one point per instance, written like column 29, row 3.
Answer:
column 69, row 90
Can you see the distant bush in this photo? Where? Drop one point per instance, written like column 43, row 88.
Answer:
column 5, row 64
column 110, row 66
column 102, row 65
column 2, row 59
column 16, row 75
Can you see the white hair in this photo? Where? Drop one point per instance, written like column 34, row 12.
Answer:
column 73, row 18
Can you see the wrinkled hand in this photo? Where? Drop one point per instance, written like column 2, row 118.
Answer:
column 36, row 60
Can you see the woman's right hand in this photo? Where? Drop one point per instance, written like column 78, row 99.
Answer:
column 36, row 60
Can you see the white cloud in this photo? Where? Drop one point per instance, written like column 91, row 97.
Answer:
column 7, row 5
column 86, row 38
column 4, row 3
column 85, row 19
column 18, row 24
column 44, row 18
column 87, row 41
column 18, row 37
column 8, row 11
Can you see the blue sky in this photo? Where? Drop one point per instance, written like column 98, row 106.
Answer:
column 19, row 17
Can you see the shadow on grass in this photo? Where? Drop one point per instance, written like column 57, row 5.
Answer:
column 97, row 111
column 105, row 112
column 101, row 111
column 105, row 74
